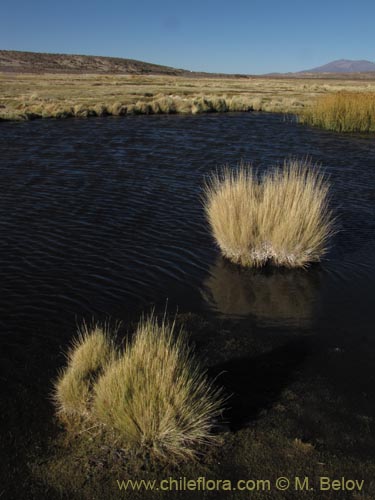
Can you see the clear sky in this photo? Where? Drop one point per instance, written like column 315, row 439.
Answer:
column 234, row 36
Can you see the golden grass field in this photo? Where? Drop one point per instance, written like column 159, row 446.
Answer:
column 342, row 112
column 27, row 96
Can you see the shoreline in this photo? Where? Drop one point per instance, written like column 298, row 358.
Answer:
column 39, row 96
column 292, row 414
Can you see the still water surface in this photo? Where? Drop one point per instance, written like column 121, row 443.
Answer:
column 104, row 217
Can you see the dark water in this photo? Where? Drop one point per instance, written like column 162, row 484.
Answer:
column 104, row 217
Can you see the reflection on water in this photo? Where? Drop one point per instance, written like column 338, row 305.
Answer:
column 269, row 294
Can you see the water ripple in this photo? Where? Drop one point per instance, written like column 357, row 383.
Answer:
column 105, row 215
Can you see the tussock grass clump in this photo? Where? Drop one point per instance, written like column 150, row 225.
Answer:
column 342, row 112
column 150, row 396
column 88, row 356
column 282, row 218
column 155, row 396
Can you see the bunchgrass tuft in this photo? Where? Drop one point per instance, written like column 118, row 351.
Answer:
column 342, row 112
column 88, row 356
column 282, row 218
column 151, row 396
column 155, row 397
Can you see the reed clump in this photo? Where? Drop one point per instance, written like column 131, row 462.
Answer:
column 151, row 395
column 282, row 218
column 342, row 112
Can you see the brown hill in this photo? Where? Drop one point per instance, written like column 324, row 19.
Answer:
column 35, row 62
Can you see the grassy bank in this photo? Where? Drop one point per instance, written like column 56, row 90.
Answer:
column 342, row 112
column 298, row 408
column 26, row 96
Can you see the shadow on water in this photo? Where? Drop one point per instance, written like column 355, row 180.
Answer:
column 270, row 295
column 255, row 383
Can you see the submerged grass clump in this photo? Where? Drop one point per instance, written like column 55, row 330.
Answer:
column 342, row 112
column 151, row 396
column 282, row 218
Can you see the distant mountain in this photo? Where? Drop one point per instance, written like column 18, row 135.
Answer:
column 343, row 66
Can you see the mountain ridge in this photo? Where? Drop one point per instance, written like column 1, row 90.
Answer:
column 41, row 62
column 14, row 61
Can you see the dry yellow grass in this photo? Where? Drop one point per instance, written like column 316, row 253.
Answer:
column 150, row 396
column 343, row 112
column 282, row 218
column 155, row 396
column 25, row 96
column 90, row 352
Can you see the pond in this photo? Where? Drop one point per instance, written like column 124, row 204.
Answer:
column 104, row 218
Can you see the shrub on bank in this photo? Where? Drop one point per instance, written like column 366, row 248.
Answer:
column 282, row 218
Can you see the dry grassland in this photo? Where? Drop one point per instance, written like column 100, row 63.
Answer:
column 28, row 96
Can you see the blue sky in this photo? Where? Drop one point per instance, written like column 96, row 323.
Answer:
column 235, row 36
